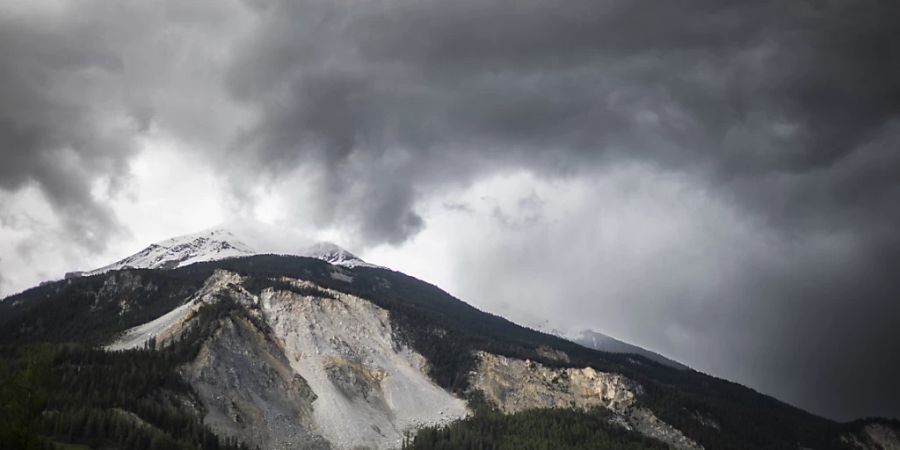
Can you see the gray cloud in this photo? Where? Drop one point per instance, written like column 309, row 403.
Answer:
column 664, row 262
column 81, row 84
column 786, row 110
column 52, row 121
column 746, row 92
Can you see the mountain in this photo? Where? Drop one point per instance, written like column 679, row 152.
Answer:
column 599, row 341
column 231, row 240
column 604, row 343
column 210, row 344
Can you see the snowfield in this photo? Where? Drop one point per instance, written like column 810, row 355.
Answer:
column 230, row 241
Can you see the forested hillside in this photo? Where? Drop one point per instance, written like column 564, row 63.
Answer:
column 69, row 393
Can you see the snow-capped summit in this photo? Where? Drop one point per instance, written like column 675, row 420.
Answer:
column 333, row 254
column 229, row 241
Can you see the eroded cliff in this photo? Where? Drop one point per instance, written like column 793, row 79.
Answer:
column 302, row 366
column 514, row 385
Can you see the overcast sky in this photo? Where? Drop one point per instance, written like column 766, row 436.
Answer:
column 718, row 181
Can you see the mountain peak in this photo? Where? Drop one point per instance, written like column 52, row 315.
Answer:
column 599, row 341
column 232, row 240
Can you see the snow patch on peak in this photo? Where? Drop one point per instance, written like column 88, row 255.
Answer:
column 232, row 240
column 183, row 250
column 334, row 254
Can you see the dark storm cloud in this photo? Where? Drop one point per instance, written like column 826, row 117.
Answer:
column 79, row 85
column 788, row 110
column 748, row 92
column 52, row 129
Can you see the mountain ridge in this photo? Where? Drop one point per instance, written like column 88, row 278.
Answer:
column 599, row 341
column 229, row 240
column 241, row 324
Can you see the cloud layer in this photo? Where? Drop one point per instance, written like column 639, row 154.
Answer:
column 783, row 116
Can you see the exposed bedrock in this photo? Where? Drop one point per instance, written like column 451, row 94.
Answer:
column 514, row 385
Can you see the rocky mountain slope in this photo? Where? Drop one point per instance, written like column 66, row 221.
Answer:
column 284, row 352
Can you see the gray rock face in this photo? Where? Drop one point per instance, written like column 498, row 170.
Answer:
column 250, row 392
column 514, row 385
column 887, row 437
column 876, row 436
column 370, row 389
column 304, row 366
column 315, row 370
